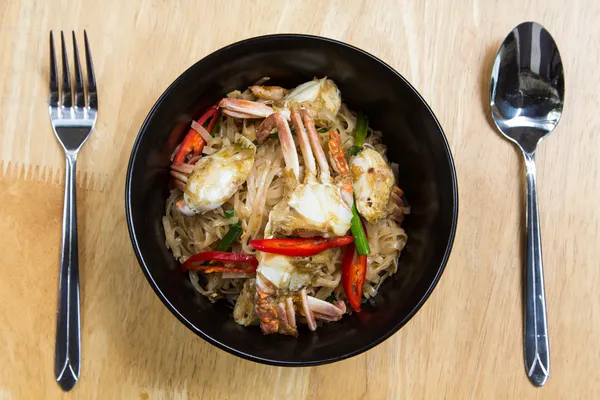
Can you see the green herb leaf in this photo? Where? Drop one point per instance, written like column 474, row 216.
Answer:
column 360, row 133
column 229, row 213
column 322, row 130
column 230, row 237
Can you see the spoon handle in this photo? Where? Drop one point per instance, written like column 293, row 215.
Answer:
column 537, row 349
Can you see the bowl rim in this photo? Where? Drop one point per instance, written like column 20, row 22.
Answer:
column 189, row 324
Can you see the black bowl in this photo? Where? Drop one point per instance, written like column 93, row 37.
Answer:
column 415, row 141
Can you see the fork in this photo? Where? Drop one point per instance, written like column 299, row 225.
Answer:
column 72, row 122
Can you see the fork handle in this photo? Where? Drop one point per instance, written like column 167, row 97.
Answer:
column 67, row 356
column 537, row 348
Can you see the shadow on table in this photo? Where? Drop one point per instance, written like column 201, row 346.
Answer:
column 486, row 75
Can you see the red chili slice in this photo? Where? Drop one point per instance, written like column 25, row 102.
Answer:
column 222, row 256
column 353, row 276
column 301, row 247
column 194, row 143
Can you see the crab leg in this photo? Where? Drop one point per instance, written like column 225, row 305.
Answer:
column 183, row 208
column 397, row 204
column 266, row 312
column 179, row 185
column 237, row 114
column 182, row 167
column 180, row 177
column 340, row 165
column 325, row 310
column 181, row 172
column 307, row 154
column 291, row 312
column 244, row 108
column 287, row 325
column 310, row 318
column 324, row 175
column 288, row 146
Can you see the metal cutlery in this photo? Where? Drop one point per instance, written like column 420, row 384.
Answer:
column 526, row 98
column 73, row 113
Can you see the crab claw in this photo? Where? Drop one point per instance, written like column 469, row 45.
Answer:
column 397, row 205
column 325, row 310
column 245, row 109
column 276, row 316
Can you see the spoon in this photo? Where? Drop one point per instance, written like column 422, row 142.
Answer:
column 526, row 99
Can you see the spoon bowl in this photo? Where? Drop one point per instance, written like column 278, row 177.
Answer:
column 526, row 99
column 527, row 86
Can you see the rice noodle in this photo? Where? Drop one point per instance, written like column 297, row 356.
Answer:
column 265, row 187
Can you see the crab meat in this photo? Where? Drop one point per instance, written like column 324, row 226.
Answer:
column 276, row 93
column 314, row 95
column 215, row 178
column 244, row 312
column 316, row 206
column 373, row 181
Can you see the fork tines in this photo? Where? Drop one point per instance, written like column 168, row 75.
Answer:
column 69, row 94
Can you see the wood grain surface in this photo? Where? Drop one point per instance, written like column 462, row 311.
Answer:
column 465, row 343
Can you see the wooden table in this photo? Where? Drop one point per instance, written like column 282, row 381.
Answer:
column 466, row 342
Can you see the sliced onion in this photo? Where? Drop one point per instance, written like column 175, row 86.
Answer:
column 203, row 132
column 175, row 151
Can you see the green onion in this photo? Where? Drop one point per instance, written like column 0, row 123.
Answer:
column 229, row 213
column 215, row 128
column 360, row 239
column 231, row 236
column 322, row 130
column 354, row 150
column 360, row 133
